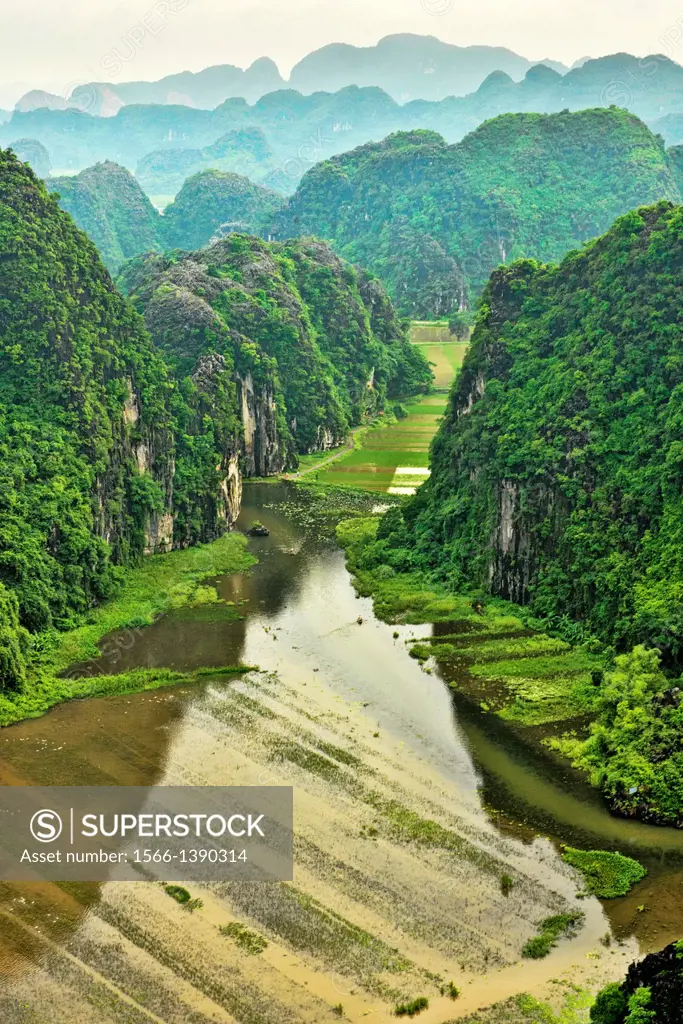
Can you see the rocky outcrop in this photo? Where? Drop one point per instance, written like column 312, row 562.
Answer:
column 305, row 345
column 261, row 448
column 230, row 491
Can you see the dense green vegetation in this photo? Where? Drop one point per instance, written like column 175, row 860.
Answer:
column 651, row 994
column 434, row 220
column 213, row 204
column 100, row 456
column 72, row 355
column 412, row 1008
column 555, row 483
column 111, row 447
column 607, row 875
column 635, row 750
column 554, row 475
column 314, row 340
column 108, row 204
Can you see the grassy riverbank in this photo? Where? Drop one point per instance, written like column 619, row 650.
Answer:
column 571, row 1007
column 486, row 648
column 160, row 583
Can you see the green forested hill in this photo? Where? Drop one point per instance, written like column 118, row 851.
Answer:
column 74, row 357
column 107, row 202
column 557, row 474
column 433, row 220
column 316, row 338
column 110, row 446
column 215, row 203
column 557, row 482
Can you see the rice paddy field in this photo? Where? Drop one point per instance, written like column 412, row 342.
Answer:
column 393, row 458
column 423, row 331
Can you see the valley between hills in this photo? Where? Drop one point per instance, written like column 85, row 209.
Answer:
column 341, row 450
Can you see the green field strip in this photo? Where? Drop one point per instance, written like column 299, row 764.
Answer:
column 405, row 444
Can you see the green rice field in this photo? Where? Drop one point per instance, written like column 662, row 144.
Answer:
column 435, row 332
column 394, row 457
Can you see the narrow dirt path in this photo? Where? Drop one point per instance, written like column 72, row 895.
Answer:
column 348, row 446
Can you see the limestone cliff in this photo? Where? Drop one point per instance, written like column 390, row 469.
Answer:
column 312, row 345
column 104, row 455
column 556, row 474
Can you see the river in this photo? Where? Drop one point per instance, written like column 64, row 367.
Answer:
column 325, row 683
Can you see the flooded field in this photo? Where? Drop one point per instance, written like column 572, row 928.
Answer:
column 410, row 807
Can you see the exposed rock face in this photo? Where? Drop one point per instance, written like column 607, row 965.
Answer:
column 262, row 451
column 291, row 343
column 159, row 533
column 231, row 491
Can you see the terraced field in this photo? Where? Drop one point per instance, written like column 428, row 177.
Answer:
column 394, row 457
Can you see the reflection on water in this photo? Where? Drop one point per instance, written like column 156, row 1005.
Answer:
column 117, row 742
column 300, row 617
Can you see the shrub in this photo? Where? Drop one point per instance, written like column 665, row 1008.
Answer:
column 251, row 942
column 506, row 884
column 178, row 893
column 551, row 930
column 413, row 1008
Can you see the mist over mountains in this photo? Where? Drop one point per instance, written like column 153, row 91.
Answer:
column 405, row 66
column 297, row 130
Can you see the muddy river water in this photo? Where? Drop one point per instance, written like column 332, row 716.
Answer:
column 363, row 894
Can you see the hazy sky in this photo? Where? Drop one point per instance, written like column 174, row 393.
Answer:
column 56, row 43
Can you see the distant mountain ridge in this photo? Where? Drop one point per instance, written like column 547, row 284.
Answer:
column 406, row 66
column 245, row 150
column 303, row 130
